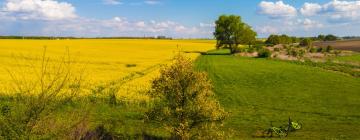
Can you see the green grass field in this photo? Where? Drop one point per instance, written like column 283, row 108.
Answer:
column 259, row 91
column 352, row 58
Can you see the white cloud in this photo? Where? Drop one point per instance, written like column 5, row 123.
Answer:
column 310, row 9
column 276, row 9
column 207, row 25
column 39, row 9
column 140, row 24
column 116, row 26
column 267, row 29
column 112, row 2
column 152, row 2
column 290, row 26
column 308, row 24
column 336, row 10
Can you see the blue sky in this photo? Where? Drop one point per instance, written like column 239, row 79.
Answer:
column 176, row 18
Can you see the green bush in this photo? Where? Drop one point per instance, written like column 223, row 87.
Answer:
column 329, row 49
column 313, row 50
column 306, row 42
column 264, row 53
column 240, row 50
column 301, row 53
column 185, row 103
column 276, row 49
column 251, row 50
column 320, row 49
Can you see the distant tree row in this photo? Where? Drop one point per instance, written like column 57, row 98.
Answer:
column 281, row 39
column 328, row 37
column 351, row 37
column 304, row 41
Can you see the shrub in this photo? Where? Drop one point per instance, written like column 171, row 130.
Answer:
column 264, row 53
column 301, row 53
column 251, row 50
column 296, row 52
column 313, row 50
column 306, row 42
column 337, row 52
column 185, row 103
column 240, row 49
column 329, row 49
column 276, row 49
column 320, row 49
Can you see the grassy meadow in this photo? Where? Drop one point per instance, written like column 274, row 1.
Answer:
column 352, row 58
column 259, row 91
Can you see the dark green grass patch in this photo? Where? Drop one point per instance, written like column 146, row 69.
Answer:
column 260, row 91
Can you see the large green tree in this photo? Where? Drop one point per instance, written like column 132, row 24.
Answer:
column 231, row 31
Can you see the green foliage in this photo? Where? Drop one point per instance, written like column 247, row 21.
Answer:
column 307, row 42
column 231, row 31
column 320, row 49
column 281, row 39
column 264, row 53
column 277, row 49
column 351, row 58
column 282, row 131
column 330, row 37
column 344, row 68
column 296, row 52
column 185, row 103
column 321, row 37
column 313, row 49
column 329, row 49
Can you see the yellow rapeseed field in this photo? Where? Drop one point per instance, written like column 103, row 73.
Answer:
column 126, row 64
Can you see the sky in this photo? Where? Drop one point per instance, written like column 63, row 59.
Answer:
column 176, row 18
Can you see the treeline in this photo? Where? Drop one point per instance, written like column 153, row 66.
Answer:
column 285, row 39
column 63, row 38
column 281, row 39
column 351, row 37
column 328, row 37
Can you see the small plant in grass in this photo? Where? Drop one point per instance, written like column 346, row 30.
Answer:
column 329, row 49
column 185, row 103
column 251, row 50
column 277, row 49
column 264, row 53
column 282, row 131
column 292, row 52
column 313, row 50
column 337, row 52
column 320, row 50
column 301, row 53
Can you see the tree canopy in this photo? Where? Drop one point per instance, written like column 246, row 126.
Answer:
column 328, row 37
column 281, row 39
column 231, row 31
